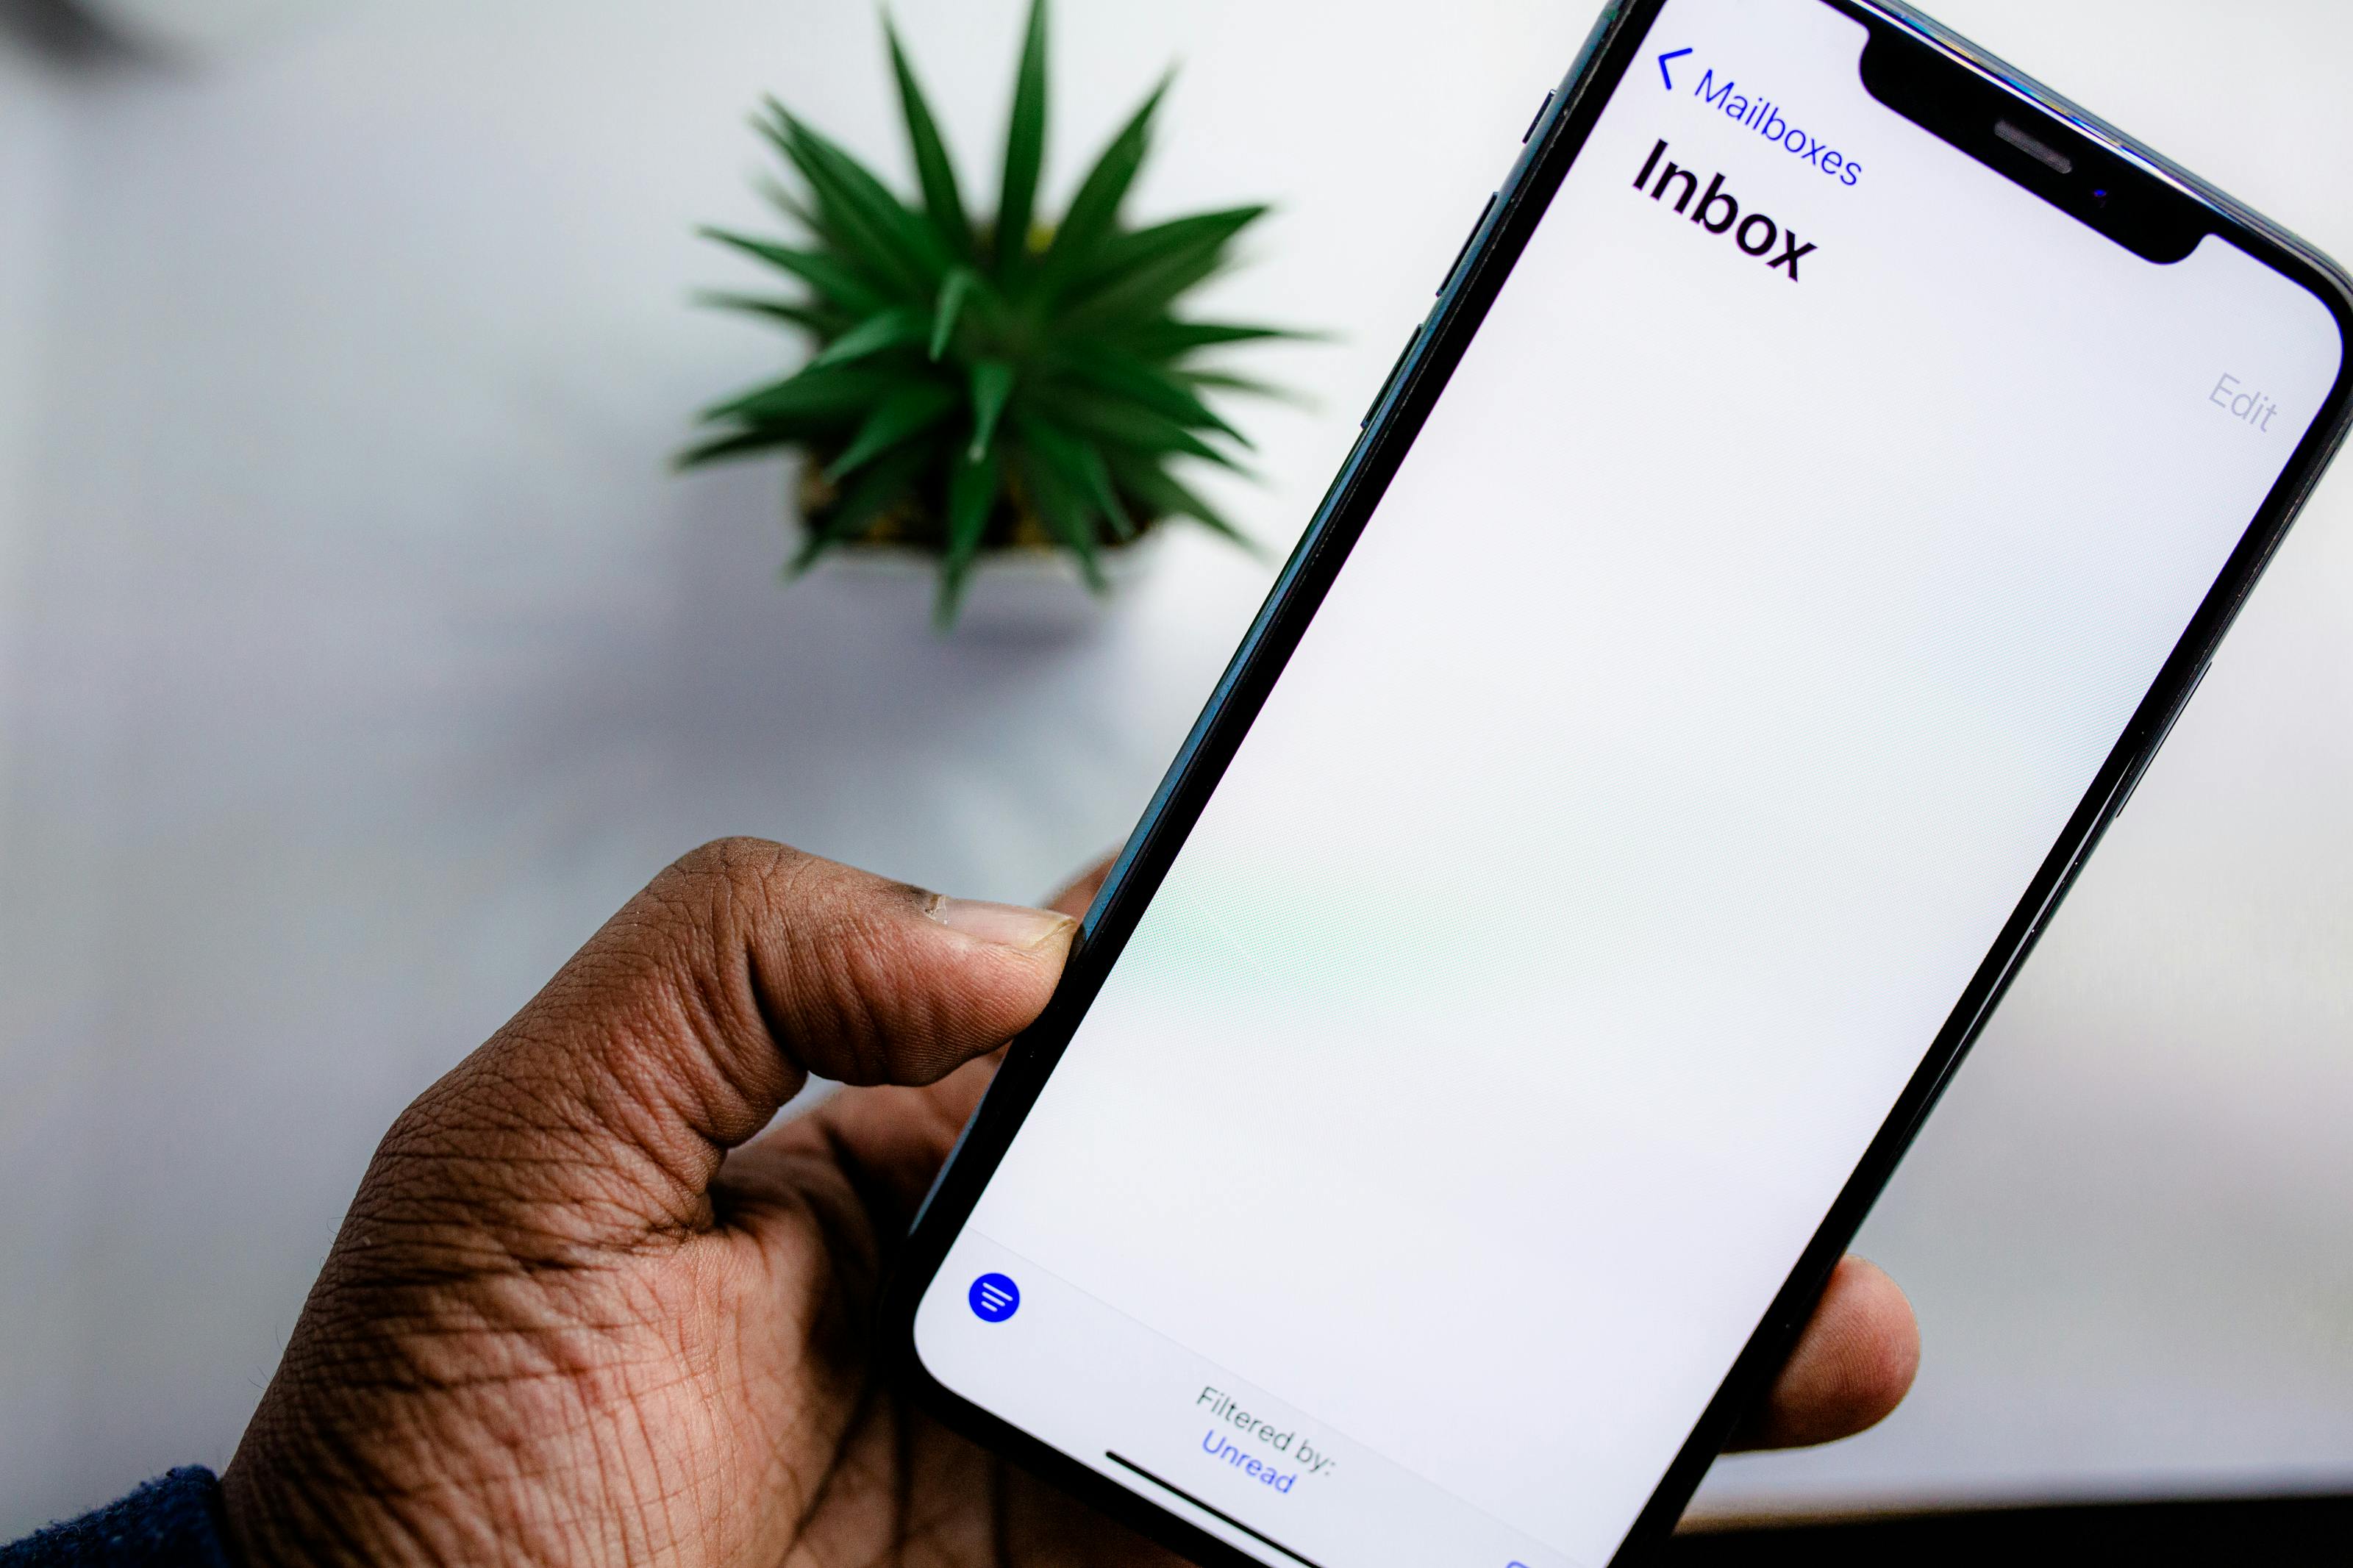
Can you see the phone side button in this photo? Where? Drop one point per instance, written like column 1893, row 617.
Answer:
column 1390, row 384
column 1541, row 108
column 1468, row 241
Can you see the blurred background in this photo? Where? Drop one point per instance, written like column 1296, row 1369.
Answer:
column 358, row 655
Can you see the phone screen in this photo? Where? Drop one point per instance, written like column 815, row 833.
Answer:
column 1782, row 563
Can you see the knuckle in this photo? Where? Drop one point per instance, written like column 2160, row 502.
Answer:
column 702, row 903
column 733, row 865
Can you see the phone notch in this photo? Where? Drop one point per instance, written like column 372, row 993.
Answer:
column 2001, row 125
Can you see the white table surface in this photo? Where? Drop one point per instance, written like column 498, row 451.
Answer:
column 357, row 656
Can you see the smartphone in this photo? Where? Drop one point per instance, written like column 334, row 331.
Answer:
column 1826, row 474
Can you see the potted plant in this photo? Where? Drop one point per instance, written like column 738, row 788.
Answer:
column 986, row 389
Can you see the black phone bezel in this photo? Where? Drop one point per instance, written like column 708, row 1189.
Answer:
column 1942, row 82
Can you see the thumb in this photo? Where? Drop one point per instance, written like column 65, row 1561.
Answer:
column 679, row 1030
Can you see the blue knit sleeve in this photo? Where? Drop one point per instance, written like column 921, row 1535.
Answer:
column 173, row 1522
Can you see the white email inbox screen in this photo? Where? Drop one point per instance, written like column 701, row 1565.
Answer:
column 1731, row 648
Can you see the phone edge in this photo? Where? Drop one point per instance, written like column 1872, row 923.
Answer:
column 1392, row 425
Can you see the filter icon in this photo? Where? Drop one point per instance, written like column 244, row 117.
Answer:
column 995, row 1298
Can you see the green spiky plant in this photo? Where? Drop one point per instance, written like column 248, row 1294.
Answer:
column 993, row 384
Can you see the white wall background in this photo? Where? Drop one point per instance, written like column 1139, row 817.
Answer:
column 31, row 1265
column 31, row 123
column 357, row 656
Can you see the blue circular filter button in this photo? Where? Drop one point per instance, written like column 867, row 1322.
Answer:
column 995, row 1298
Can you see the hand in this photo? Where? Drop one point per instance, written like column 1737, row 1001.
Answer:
column 577, row 1315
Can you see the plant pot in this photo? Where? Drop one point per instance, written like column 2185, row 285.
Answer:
column 1018, row 595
